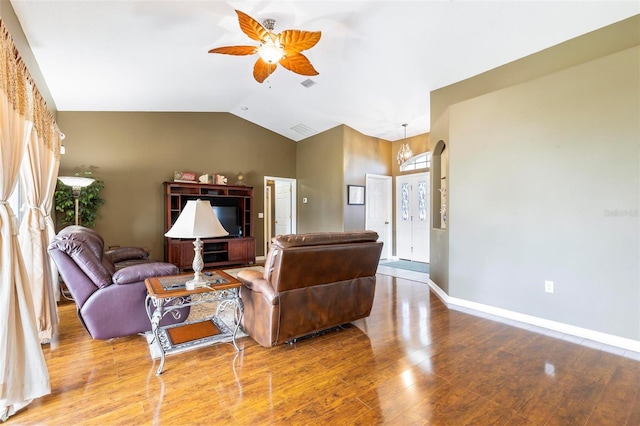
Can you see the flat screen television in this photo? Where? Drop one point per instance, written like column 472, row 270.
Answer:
column 228, row 217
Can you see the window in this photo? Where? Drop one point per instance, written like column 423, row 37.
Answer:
column 420, row 161
column 405, row 201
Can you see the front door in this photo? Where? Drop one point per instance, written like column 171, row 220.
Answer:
column 412, row 217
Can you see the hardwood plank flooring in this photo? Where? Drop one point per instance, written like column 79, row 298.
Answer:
column 413, row 361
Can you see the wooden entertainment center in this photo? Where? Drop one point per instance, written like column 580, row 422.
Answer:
column 237, row 249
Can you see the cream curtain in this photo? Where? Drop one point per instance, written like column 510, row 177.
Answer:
column 23, row 371
column 38, row 173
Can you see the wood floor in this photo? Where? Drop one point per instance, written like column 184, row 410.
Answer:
column 413, row 361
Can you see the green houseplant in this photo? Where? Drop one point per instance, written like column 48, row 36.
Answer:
column 88, row 202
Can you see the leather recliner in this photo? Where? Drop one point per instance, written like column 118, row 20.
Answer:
column 108, row 287
column 311, row 282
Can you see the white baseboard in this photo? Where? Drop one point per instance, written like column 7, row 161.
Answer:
column 260, row 258
column 583, row 333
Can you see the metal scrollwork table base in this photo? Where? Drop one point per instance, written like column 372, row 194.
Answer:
column 168, row 294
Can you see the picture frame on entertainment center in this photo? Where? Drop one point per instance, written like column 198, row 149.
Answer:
column 355, row 195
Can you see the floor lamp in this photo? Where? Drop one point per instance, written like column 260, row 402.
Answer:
column 76, row 183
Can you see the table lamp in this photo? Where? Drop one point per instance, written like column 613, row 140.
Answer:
column 76, row 183
column 197, row 220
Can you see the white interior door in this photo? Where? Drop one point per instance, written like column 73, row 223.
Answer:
column 378, row 210
column 281, row 200
column 283, row 207
column 412, row 217
column 268, row 219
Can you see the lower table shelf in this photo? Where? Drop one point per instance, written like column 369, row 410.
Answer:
column 196, row 334
column 167, row 295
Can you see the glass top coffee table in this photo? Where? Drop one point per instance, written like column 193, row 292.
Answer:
column 168, row 294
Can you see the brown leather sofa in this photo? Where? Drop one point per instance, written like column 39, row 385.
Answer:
column 311, row 282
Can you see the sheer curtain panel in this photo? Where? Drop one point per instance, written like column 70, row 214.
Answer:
column 23, row 371
column 38, row 174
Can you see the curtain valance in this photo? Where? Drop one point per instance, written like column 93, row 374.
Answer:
column 16, row 82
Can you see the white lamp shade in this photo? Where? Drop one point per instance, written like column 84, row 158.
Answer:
column 197, row 220
column 76, row 181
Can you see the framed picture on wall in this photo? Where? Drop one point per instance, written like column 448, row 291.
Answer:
column 356, row 194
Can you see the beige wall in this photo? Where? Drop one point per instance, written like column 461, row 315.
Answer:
column 320, row 180
column 362, row 154
column 326, row 164
column 535, row 168
column 134, row 152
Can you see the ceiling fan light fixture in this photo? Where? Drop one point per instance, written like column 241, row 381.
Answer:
column 273, row 49
column 270, row 52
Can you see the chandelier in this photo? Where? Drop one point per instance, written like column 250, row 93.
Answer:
column 405, row 153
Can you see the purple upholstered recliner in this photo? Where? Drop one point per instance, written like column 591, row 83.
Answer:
column 108, row 288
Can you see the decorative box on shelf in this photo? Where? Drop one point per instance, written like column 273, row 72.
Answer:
column 187, row 177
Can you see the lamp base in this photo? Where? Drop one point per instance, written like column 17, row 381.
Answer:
column 196, row 283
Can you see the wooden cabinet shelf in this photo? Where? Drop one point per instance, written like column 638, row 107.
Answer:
column 234, row 206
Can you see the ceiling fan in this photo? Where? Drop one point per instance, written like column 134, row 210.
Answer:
column 274, row 49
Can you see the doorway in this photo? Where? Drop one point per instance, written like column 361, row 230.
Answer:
column 379, row 210
column 279, row 208
column 412, row 217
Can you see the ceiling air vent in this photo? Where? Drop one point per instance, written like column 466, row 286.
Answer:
column 304, row 130
column 308, row 83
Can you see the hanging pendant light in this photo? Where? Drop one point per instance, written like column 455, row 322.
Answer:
column 405, row 153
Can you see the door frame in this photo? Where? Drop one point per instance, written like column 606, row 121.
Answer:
column 267, row 207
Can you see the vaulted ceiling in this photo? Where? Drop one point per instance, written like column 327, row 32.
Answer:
column 377, row 60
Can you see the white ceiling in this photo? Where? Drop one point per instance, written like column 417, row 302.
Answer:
column 378, row 60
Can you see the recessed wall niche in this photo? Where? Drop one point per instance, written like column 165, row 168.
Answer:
column 439, row 194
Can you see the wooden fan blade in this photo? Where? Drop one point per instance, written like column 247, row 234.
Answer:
column 299, row 64
column 262, row 70
column 235, row 50
column 251, row 27
column 295, row 41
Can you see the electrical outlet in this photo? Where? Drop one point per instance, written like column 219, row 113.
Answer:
column 549, row 287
